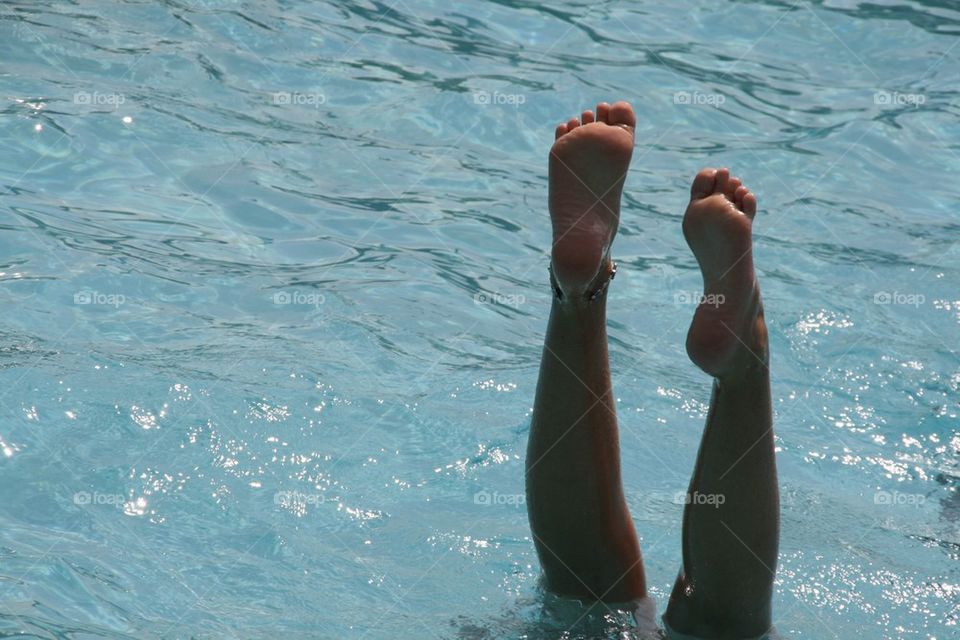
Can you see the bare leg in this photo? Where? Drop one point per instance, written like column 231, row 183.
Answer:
column 581, row 526
column 731, row 521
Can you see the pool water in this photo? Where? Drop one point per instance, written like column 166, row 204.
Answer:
column 274, row 288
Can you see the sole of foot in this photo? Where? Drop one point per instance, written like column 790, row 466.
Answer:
column 727, row 333
column 588, row 166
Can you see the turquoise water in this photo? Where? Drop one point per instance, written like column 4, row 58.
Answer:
column 274, row 289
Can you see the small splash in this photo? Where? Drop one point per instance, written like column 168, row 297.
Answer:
column 143, row 418
column 491, row 384
column 181, row 392
column 8, row 449
column 361, row 515
column 136, row 507
column 464, row 544
column 822, row 322
column 263, row 410
column 948, row 305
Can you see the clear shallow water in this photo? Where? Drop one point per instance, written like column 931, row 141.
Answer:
column 270, row 344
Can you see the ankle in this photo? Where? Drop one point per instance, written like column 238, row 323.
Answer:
column 751, row 360
column 594, row 293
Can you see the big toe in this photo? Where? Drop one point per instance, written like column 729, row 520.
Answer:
column 703, row 184
column 621, row 113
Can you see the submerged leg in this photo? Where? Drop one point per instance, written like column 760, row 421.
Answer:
column 581, row 526
column 731, row 520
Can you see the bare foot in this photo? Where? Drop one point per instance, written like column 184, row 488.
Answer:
column 588, row 165
column 728, row 333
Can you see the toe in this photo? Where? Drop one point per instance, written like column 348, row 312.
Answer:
column 749, row 204
column 561, row 129
column 572, row 124
column 738, row 196
column 732, row 185
column 703, row 184
column 723, row 175
column 603, row 112
column 621, row 113
column 586, row 117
